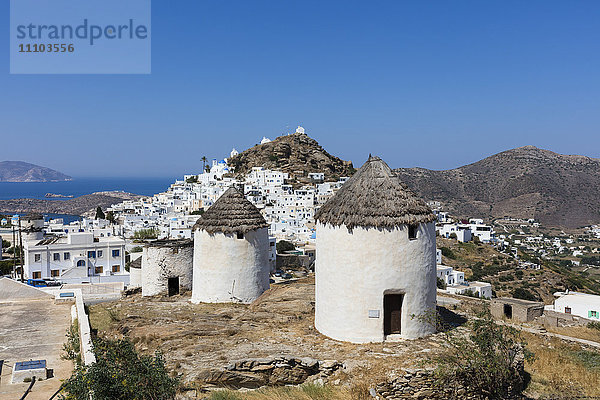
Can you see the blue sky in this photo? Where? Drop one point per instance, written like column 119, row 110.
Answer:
column 434, row 84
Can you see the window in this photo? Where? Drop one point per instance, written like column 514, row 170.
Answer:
column 91, row 254
column 99, row 269
column 240, row 235
column 37, row 257
column 99, row 253
column 116, row 253
column 56, row 256
column 37, row 275
column 66, row 256
column 593, row 314
column 116, row 268
column 412, row 232
column 567, row 310
column 81, row 263
column 54, row 273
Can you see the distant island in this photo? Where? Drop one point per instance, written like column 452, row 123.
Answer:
column 20, row 171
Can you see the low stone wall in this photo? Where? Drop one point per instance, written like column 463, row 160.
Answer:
column 416, row 384
column 254, row 373
column 558, row 319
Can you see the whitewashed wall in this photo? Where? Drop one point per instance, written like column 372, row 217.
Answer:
column 161, row 263
column 135, row 277
column 227, row 269
column 354, row 270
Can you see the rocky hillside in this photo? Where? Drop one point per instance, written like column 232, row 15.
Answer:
column 527, row 182
column 294, row 152
column 76, row 206
column 19, row 171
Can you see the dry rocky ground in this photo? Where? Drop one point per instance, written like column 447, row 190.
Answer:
column 273, row 342
column 203, row 342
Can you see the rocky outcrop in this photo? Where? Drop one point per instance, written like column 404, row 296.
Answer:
column 297, row 154
column 254, row 373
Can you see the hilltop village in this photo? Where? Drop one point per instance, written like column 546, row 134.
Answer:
column 274, row 277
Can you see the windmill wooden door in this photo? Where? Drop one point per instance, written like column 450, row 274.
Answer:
column 392, row 313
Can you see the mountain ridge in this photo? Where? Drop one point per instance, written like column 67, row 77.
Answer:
column 21, row 171
column 525, row 182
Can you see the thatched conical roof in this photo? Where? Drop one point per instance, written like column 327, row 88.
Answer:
column 374, row 197
column 231, row 213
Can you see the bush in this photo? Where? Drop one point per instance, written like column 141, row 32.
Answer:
column 447, row 252
column 284, row 245
column 197, row 212
column 524, row 294
column 137, row 249
column 143, row 234
column 594, row 325
column 120, row 373
column 488, row 361
column 71, row 348
column 441, row 284
column 519, row 274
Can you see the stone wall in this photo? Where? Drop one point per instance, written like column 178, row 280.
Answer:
column 558, row 319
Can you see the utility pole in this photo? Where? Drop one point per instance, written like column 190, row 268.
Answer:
column 21, row 251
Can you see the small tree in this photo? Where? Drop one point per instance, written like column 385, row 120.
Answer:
column 110, row 216
column 487, row 361
column 441, row 284
column 284, row 245
column 100, row 213
column 121, row 373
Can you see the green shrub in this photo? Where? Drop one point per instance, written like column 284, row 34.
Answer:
column 441, row 284
column 487, row 361
column 72, row 347
column 524, row 294
column 283, row 246
column 447, row 252
column 594, row 325
column 121, row 373
column 144, row 234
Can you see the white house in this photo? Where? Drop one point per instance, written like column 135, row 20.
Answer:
column 480, row 289
column 580, row 304
column 462, row 232
column 450, row 276
column 375, row 260
column 456, row 284
column 77, row 258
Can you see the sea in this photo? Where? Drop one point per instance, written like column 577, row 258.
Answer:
column 81, row 186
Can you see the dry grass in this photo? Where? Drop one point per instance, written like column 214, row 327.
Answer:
column 302, row 392
column 562, row 368
column 580, row 332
